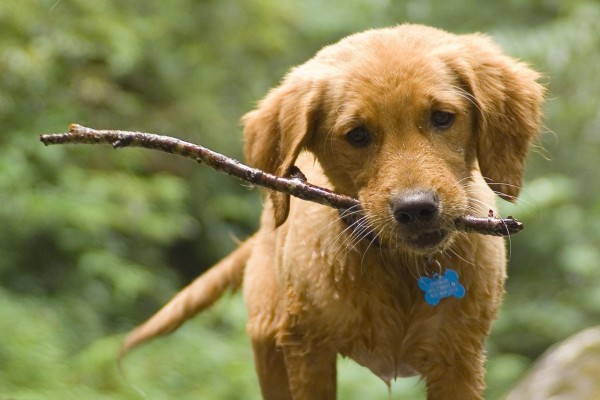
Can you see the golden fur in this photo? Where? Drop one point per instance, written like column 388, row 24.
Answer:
column 368, row 117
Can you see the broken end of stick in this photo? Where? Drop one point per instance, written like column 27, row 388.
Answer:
column 59, row 138
column 50, row 138
column 490, row 225
column 512, row 225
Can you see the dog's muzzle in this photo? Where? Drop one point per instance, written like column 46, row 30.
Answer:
column 417, row 216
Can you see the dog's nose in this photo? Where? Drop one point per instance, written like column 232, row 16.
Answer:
column 415, row 208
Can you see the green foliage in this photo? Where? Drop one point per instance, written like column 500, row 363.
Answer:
column 95, row 240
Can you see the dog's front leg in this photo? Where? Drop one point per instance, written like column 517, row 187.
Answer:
column 456, row 386
column 270, row 368
column 311, row 371
column 456, row 375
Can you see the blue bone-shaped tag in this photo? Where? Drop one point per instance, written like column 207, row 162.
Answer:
column 439, row 287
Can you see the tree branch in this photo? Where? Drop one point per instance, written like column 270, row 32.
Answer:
column 295, row 185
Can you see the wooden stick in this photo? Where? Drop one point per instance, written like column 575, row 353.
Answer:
column 295, row 185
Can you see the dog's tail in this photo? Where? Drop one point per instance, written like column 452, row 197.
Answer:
column 197, row 296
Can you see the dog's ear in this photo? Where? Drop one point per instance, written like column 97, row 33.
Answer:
column 278, row 129
column 508, row 101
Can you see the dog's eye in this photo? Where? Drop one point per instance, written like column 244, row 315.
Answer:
column 359, row 137
column 441, row 119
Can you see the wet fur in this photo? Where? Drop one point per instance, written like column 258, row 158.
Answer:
column 315, row 287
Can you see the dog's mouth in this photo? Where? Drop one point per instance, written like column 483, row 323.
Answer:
column 428, row 240
column 421, row 241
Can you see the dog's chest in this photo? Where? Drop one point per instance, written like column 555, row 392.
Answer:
column 382, row 322
column 370, row 308
column 388, row 338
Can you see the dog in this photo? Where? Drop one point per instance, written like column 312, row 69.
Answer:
column 421, row 126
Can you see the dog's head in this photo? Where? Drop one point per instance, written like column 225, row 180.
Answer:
column 403, row 119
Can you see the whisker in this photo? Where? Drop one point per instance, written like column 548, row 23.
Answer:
column 456, row 254
column 346, row 236
column 465, row 95
column 355, row 232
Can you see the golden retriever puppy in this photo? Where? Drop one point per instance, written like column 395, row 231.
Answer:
column 422, row 126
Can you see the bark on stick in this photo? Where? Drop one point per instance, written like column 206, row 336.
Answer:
column 294, row 185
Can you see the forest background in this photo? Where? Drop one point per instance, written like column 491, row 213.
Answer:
column 93, row 241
